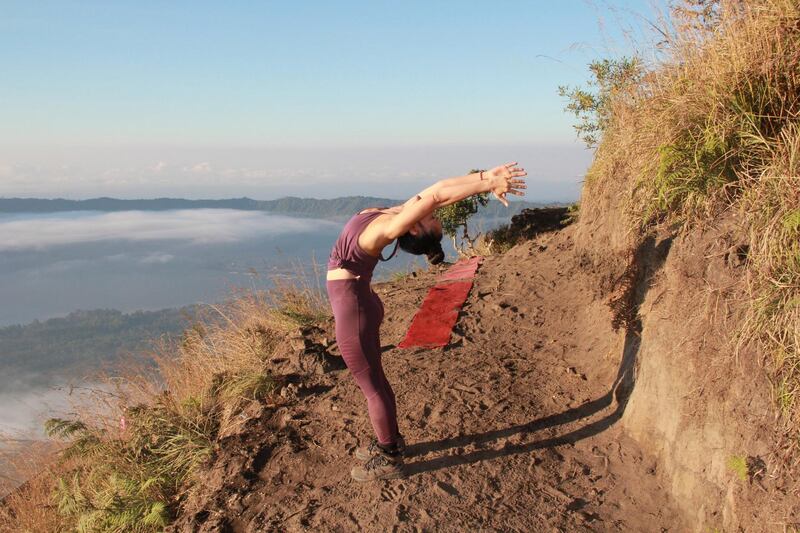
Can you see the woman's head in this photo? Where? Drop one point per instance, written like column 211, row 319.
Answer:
column 424, row 238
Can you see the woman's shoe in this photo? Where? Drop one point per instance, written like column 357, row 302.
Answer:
column 365, row 453
column 380, row 466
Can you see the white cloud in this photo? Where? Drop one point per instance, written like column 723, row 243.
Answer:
column 22, row 415
column 157, row 258
column 191, row 226
column 199, row 168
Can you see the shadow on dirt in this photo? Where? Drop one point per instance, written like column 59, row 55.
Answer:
column 645, row 261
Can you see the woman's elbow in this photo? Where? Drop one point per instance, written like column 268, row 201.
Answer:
column 412, row 200
column 433, row 189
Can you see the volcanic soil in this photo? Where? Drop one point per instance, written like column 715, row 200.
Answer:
column 511, row 427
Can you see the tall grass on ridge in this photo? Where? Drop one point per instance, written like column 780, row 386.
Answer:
column 712, row 126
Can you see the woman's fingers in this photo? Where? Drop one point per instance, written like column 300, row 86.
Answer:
column 501, row 198
column 514, row 183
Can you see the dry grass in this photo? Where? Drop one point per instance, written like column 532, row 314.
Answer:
column 29, row 508
column 712, row 125
column 486, row 245
column 130, row 457
column 497, row 241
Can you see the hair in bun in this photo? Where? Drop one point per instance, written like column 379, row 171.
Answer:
column 436, row 256
column 428, row 244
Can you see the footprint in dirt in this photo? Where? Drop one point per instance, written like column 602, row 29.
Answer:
column 426, row 411
column 430, row 416
column 393, row 492
column 402, row 515
column 447, row 488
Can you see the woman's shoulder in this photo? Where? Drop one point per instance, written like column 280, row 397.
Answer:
column 393, row 210
column 369, row 210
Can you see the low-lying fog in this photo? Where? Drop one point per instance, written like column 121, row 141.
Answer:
column 56, row 263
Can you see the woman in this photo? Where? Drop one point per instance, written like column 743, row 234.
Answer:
column 358, row 311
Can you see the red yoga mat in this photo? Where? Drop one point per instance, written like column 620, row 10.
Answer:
column 463, row 269
column 436, row 317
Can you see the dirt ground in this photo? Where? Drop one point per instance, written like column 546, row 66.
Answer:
column 509, row 428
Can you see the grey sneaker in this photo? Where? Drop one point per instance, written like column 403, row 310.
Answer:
column 380, row 466
column 365, row 453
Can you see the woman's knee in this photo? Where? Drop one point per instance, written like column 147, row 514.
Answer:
column 371, row 382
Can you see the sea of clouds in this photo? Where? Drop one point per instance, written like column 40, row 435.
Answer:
column 192, row 226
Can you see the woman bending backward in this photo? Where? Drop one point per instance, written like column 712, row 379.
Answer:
column 358, row 312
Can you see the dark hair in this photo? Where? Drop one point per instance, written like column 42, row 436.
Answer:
column 426, row 243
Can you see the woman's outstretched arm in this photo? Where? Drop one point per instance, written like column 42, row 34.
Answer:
column 499, row 180
column 459, row 180
column 464, row 180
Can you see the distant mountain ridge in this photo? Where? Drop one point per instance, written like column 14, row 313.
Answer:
column 304, row 207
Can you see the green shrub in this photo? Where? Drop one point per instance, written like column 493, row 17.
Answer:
column 456, row 216
column 738, row 464
column 594, row 111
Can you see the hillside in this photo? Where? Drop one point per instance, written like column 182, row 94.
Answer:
column 538, row 416
column 58, row 350
column 512, row 427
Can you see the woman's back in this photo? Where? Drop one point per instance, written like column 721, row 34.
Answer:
column 347, row 253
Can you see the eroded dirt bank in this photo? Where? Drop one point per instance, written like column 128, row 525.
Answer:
column 701, row 403
column 514, row 427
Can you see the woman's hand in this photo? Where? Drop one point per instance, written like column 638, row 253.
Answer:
column 506, row 179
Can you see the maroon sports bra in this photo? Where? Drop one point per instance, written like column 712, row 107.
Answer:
column 346, row 252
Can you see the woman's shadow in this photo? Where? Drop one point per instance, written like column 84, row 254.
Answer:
column 647, row 260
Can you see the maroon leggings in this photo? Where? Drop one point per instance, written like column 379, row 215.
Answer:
column 358, row 313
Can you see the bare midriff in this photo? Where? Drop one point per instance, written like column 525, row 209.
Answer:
column 341, row 273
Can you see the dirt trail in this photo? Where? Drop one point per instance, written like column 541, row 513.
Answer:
column 510, row 428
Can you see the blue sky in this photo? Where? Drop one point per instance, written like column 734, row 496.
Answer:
column 229, row 98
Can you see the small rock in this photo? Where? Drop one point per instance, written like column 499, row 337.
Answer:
column 736, row 255
column 289, row 392
column 447, row 488
column 297, row 343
